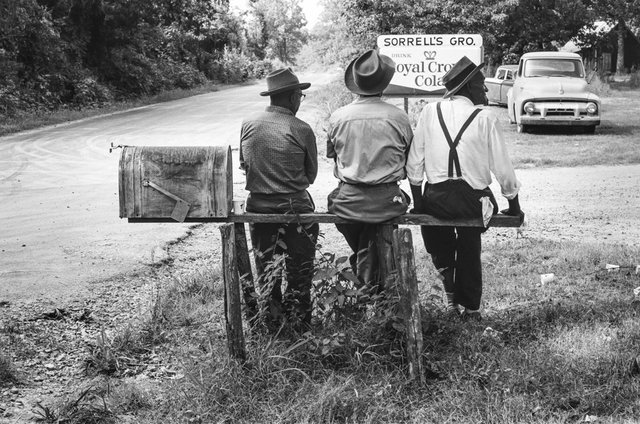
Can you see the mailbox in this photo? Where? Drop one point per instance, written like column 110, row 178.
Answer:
column 175, row 182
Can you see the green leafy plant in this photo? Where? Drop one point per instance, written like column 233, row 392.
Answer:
column 89, row 407
column 121, row 355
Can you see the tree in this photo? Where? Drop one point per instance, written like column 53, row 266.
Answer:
column 508, row 27
column 620, row 13
column 279, row 30
column 535, row 25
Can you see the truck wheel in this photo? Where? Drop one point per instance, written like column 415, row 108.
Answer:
column 590, row 129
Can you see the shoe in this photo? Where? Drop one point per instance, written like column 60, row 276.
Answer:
column 471, row 315
column 452, row 310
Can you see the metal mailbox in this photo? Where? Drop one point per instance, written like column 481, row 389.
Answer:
column 179, row 183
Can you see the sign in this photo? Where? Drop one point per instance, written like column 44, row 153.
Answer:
column 422, row 60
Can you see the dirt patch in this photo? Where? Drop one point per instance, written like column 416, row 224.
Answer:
column 599, row 204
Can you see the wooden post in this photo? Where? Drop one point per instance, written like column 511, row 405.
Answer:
column 409, row 302
column 386, row 264
column 244, row 270
column 232, row 309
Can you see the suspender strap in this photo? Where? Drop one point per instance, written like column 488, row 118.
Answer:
column 453, row 153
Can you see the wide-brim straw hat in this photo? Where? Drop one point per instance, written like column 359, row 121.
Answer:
column 370, row 73
column 282, row 80
column 459, row 75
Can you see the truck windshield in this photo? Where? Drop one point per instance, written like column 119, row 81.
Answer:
column 554, row 68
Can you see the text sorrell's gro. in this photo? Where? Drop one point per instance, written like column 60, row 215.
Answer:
column 422, row 60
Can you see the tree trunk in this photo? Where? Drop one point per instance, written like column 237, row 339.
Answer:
column 621, row 33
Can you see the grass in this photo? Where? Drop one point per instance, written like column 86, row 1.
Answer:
column 615, row 141
column 545, row 353
column 102, row 403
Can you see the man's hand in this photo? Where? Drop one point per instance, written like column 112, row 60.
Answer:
column 514, row 209
column 418, row 202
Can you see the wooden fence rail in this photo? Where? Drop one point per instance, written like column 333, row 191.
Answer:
column 327, row 218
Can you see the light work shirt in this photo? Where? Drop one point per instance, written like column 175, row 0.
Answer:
column 481, row 151
column 369, row 140
column 278, row 152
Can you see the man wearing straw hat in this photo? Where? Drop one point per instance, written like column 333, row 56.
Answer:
column 457, row 146
column 279, row 156
column 368, row 140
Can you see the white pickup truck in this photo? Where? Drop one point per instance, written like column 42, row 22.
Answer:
column 550, row 89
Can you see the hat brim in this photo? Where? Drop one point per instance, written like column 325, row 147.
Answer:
column 457, row 88
column 301, row 86
column 350, row 82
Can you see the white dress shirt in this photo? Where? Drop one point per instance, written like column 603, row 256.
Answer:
column 481, row 150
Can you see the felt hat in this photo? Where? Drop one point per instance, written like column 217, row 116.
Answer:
column 459, row 75
column 282, row 80
column 370, row 73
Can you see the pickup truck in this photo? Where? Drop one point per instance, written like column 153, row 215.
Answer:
column 500, row 84
column 551, row 89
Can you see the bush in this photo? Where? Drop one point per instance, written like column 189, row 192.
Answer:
column 88, row 92
column 234, row 66
column 260, row 68
column 181, row 76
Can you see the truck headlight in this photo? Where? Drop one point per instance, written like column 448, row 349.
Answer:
column 592, row 108
column 529, row 108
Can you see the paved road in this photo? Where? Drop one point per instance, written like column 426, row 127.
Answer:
column 60, row 228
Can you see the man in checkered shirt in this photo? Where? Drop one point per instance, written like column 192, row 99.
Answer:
column 279, row 155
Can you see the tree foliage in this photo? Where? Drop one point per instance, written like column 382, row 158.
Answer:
column 277, row 29
column 535, row 25
column 620, row 13
column 78, row 53
column 508, row 27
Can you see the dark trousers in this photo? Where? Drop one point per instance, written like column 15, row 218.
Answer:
column 277, row 239
column 361, row 238
column 297, row 241
column 455, row 252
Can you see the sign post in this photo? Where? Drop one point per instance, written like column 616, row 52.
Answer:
column 422, row 60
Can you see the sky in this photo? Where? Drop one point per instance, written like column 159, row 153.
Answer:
column 311, row 9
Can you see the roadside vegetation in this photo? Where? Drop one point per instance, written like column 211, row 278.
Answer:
column 554, row 352
column 62, row 58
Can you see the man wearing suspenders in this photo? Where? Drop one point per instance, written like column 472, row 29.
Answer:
column 458, row 146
